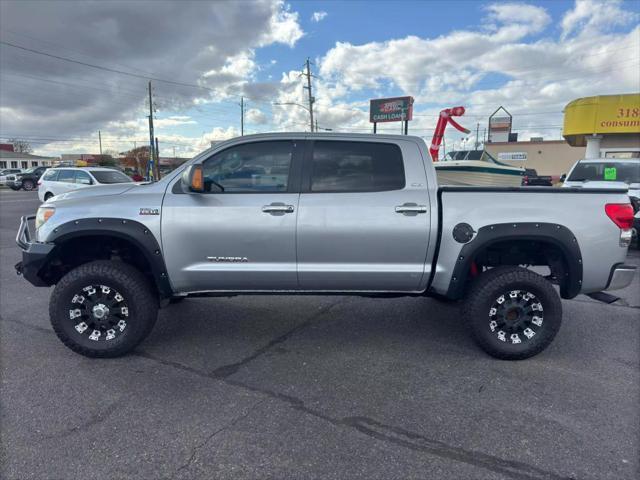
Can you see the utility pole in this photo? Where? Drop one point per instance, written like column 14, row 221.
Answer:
column 308, row 87
column 174, row 152
column 100, row 140
column 242, row 116
column 477, row 133
column 150, row 167
column 156, row 172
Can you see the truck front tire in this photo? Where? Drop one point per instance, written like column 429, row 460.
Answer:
column 103, row 309
column 513, row 313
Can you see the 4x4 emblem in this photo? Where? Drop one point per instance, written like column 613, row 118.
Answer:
column 149, row 211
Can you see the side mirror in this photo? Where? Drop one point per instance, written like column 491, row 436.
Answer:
column 563, row 177
column 193, row 179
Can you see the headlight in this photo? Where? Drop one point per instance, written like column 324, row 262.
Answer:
column 44, row 214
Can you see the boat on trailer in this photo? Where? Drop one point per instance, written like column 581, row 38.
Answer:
column 476, row 167
column 469, row 167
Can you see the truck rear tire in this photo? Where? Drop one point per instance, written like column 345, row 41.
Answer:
column 513, row 312
column 103, row 309
column 28, row 185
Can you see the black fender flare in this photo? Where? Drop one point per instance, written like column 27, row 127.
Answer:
column 557, row 235
column 130, row 230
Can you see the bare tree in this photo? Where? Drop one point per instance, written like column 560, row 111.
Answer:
column 21, row 146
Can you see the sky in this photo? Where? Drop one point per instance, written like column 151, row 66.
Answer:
column 71, row 69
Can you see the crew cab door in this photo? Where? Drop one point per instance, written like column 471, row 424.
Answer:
column 242, row 237
column 364, row 216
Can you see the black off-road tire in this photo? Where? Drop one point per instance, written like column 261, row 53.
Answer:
column 141, row 302
column 488, row 288
column 28, row 185
column 47, row 196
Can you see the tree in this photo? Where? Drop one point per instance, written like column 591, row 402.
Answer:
column 21, row 146
column 107, row 161
column 137, row 158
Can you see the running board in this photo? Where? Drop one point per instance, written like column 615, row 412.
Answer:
column 603, row 297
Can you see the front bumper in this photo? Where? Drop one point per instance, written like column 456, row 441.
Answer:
column 34, row 254
column 621, row 276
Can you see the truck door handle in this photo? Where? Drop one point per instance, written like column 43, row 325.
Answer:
column 277, row 209
column 411, row 209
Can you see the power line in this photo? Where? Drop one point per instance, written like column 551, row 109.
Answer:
column 128, row 93
column 107, row 69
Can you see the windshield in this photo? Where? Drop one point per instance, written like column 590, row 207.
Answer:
column 627, row 172
column 102, row 176
column 30, row 170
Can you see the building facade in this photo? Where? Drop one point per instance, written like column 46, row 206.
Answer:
column 10, row 159
column 607, row 126
column 551, row 157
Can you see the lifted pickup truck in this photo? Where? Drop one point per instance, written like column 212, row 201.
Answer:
column 322, row 214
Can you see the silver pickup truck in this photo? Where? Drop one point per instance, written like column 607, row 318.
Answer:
column 322, row 214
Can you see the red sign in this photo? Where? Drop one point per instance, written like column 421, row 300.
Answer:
column 397, row 109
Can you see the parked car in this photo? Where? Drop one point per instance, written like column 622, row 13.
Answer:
column 606, row 173
column 8, row 173
column 63, row 180
column 27, row 180
column 532, row 179
column 325, row 214
column 610, row 173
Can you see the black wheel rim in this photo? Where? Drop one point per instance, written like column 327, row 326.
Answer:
column 99, row 313
column 28, row 185
column 516, row 317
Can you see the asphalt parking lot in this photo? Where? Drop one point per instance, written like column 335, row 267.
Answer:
column 315, row 387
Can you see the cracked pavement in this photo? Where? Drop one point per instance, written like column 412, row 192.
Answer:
column 314, row 387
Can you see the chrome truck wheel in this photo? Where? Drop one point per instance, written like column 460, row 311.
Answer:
column 103, row 308
column 513, row 313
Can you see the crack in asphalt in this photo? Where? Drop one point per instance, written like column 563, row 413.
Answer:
column 25, row 324
column 364, row 425
column 226, row 371
column 202, row 444
column 93, row 420
column 388, row 433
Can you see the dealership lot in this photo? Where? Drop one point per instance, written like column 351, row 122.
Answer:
column 315, row 387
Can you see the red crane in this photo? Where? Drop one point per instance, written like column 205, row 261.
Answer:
column 443, row 120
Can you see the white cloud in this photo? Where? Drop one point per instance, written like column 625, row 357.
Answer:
column 283, row 26
column 256, row 116
column 318, row 16
column 459, row 68
column 593, row 16
column 173, row 121
column 206, row 44
column 512, row 21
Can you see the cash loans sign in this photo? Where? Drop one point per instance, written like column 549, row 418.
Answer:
column 397, row 109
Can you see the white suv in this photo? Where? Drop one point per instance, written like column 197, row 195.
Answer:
column 56, row 181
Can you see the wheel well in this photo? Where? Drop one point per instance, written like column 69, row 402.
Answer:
column 524, row 252
column 76, row 251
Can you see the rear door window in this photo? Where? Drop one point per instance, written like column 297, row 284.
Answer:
column 622, row 171
column 104, row 176
column 67, row 176
column 50, row 175
column 356, row 167
column 83, row 178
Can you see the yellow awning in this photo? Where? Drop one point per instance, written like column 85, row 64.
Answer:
column 604, row 114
